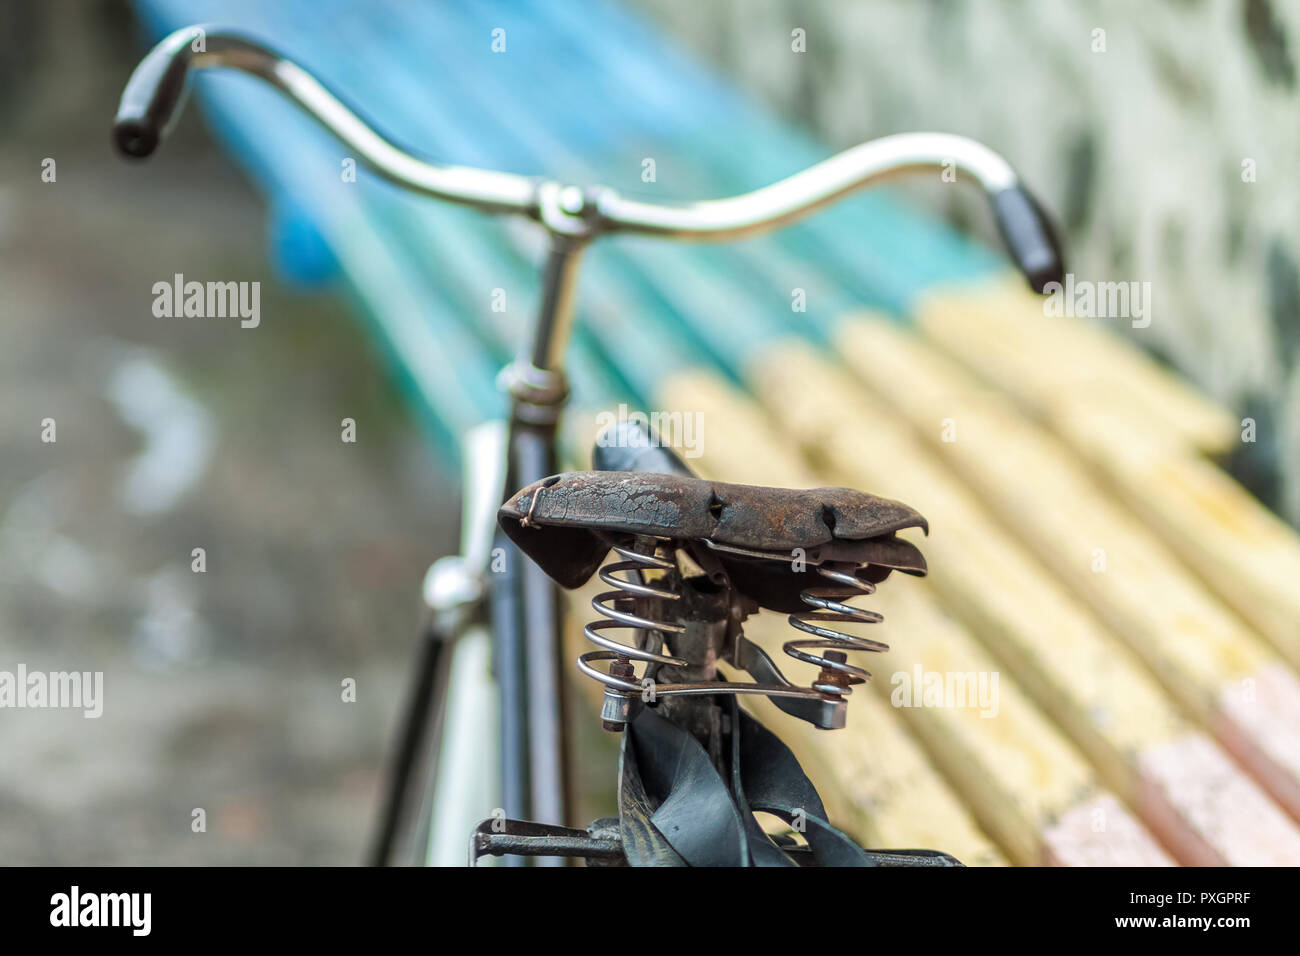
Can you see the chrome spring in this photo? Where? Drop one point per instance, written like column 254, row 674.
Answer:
column 620, row 678
column 827, row 605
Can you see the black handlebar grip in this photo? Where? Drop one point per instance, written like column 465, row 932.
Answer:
column 153, row 95
column 1029, row 236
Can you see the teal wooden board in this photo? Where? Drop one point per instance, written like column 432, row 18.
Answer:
column 583, row 92
column 469, row 254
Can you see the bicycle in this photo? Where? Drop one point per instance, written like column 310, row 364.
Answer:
column 694, row 557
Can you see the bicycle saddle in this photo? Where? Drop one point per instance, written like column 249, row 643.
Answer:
column 567, row 524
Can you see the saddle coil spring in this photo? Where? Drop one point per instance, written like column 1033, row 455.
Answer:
column 826, row 604
column 620, row 679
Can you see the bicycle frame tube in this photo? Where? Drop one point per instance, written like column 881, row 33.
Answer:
column 440, row 785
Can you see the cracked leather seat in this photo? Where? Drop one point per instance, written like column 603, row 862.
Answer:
column 567, row 523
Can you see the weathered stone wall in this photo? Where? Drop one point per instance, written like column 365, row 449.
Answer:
column 1162, row 133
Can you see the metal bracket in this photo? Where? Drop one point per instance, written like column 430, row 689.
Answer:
column 600, row 844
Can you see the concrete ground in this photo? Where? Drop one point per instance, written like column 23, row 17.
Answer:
column 222, row 688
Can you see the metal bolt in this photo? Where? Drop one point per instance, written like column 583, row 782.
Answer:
column 617, row 704
column 830, row 675
column 571, row 200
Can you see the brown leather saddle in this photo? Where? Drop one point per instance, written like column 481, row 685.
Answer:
column 758, row 538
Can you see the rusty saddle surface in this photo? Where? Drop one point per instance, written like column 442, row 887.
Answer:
column 567, row 523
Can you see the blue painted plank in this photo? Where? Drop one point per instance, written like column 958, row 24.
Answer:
column 448, row 372
column 427, row 73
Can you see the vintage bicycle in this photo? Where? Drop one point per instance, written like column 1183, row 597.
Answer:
column 483, row 758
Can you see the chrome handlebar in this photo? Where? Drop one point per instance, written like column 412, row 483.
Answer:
column 156, row 90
